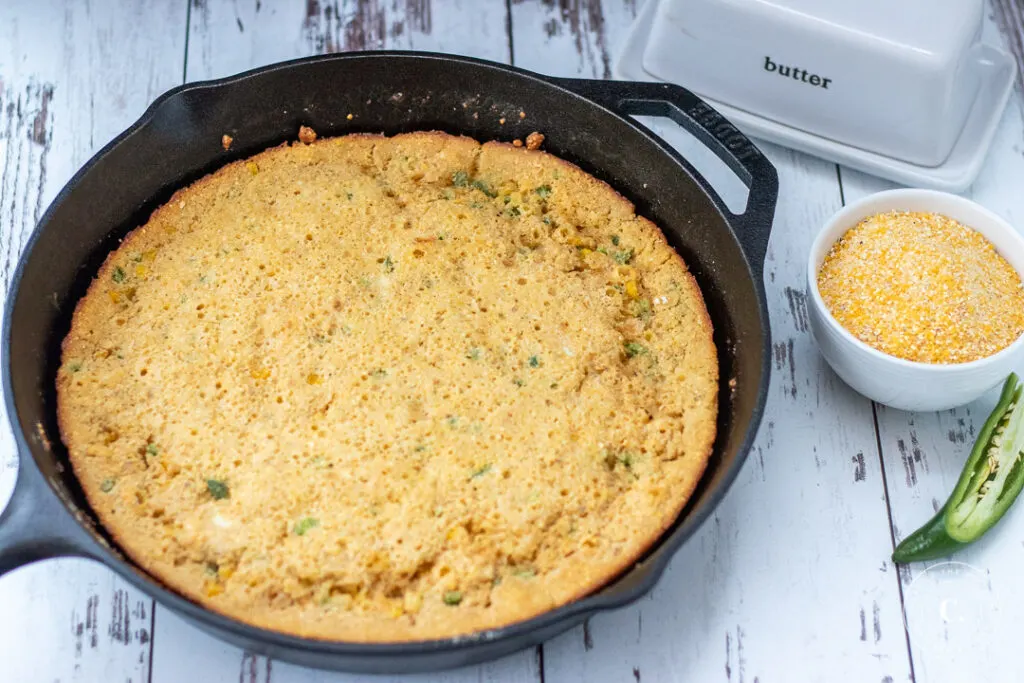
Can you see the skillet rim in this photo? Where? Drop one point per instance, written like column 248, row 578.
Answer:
column 611, row 596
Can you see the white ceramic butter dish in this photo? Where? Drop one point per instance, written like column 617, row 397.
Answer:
column 904, row 90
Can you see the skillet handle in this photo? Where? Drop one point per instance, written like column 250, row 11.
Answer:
column 628, row 98
column 35, row 525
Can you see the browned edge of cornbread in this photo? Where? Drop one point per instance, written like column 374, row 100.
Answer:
column 599, row 577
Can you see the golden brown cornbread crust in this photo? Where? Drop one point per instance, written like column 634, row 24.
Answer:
column 446, row 386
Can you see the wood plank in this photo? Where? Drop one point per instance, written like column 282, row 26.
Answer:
column 182, row 653
column 790, row 580
column 64, row 91
column 226, row 38
column 572, row 37
column 970, row 603
column 1008, row 16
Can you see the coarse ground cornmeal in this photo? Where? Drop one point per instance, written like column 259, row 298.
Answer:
column 923, row 287
column 376, row 389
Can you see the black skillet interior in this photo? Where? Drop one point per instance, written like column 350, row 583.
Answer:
column 179, row 140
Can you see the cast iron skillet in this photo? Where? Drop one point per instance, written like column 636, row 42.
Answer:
column 179, row 139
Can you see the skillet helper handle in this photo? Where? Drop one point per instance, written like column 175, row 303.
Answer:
column 674, row 102
column 35, row 525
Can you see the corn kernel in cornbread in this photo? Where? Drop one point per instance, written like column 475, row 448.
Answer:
column 923, row 287
column 387, row 389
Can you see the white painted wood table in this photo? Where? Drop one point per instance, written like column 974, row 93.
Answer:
column 791, row 578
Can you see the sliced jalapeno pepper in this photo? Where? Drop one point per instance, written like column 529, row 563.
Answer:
column 930, row 542
column 988, row 485
column 994, row 473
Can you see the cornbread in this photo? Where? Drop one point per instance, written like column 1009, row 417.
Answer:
column 385, row 389
column 923, row 287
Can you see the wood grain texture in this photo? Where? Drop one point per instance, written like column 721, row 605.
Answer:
column 64, row 91
column 228, row 37
column 26, row 138
column 1008, row 15
column 179, row 647
column 575, row 37
column 789, row 580
column 73, row 620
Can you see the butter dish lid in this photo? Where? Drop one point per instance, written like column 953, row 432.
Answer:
column 905, row 91
column 928, row 27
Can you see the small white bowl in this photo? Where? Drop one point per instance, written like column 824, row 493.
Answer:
column 894, row 381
